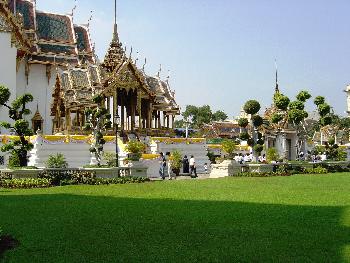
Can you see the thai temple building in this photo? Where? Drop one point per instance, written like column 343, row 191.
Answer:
column 50, row 57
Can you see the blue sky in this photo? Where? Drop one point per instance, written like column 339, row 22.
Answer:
column 222, row 52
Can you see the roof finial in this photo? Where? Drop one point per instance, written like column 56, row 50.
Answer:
column 168, row 76
column 276, row 87
column 160, row 70
column 130, row 52
column 137, row 58
column 143, row 66
column 115, row 32
column 90, row 18
column 75, row 7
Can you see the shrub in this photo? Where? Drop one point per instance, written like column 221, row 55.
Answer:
column 258, row 148
column 56, row 161
column 176, row 160
column 319, row 100
column 14, row 161
column 110, row 158
column 276, row 118
column 281, row 101
column 243, row 122
column 303, row 96
column 229, row 146
column 251, row 107
column 271, row 155
column 244, row 136
column 316, row 170
column 257, row 120
column 25, row 183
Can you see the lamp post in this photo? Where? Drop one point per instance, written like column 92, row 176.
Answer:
column 116, row 123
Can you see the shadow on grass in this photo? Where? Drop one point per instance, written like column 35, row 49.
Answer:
column 73, row 228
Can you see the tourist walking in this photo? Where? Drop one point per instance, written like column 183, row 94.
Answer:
column 162, row 164
column 169, row 165
column 193, row 166
column 185, row 165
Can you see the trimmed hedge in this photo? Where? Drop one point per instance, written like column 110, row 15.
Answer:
column 25, row 183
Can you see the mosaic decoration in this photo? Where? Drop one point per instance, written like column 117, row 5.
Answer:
column 54, row 27
column 83, row 41
column 26, row 9
column 80, row 79
column 58, row 49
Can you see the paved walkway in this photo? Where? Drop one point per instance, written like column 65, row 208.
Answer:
column 181, row 177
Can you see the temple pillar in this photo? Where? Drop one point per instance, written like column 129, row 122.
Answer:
column 115, row 105
column 139, row 108
column 122, row 115
column 149, row 116
column 172, row 121
column 159, row 122
column 133, row 113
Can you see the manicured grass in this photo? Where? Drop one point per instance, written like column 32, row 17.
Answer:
column 276, row 219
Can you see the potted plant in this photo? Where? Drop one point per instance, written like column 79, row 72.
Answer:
column 135, row 149
column 176, row 162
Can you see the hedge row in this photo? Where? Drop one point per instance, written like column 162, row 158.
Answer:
column 67, row 177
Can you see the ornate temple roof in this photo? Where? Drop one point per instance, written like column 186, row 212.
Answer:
column 55, row 28
column 11, row 23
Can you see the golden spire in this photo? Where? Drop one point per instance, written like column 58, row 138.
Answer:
column 276, row 87
column 115, row 54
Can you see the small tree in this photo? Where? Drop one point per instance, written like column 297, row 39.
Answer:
column 97, row 121
column 254, row 138
column 17, row 111
column 176, row 161
column 135, row 149
column 229, row 146
column 291, row 113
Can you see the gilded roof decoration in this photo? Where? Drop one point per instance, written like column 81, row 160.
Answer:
column 94, row 75
column 80, row 79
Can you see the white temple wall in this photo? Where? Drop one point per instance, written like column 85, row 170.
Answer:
column 41, row 89
column 7, row 70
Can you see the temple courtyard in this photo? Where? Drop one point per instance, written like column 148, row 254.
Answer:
column 300, row 218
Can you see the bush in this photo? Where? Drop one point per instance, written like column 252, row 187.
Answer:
column 110, row 158
column 14, row 161
column 258, row 148
column 229, row 146
column 25, row 183
column 135, row 147
column 316, row 170
column 243, row 122
column 257, row 120
column 281, row 101
column 251, row 107
column 244, row 136
column 56, row 161
column 61, row 177
column 271, row 155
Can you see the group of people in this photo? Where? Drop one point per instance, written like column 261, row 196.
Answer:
column 188, row 166
column 248, row 157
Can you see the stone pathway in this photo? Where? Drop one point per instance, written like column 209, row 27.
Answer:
column 181, row 177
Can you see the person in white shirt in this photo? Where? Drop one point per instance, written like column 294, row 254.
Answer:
column 193, row 166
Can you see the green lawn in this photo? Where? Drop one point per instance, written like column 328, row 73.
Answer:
column 277, row 219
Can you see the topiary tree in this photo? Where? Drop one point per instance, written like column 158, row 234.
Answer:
column 291, row 113
column 253, row 138
column 329, row 122
column 97, row 121
column 17, row 110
